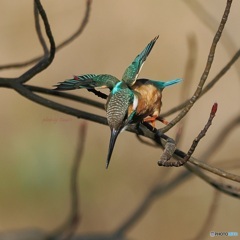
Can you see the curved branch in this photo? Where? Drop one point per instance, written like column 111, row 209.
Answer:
column 47, row 60
column 39, row 31
column 76, row 34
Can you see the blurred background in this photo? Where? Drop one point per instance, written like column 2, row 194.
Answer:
column 38, row 144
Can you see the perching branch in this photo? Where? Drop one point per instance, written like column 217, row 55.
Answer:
column 170, row 146
column 193, row 165
column 75, row 112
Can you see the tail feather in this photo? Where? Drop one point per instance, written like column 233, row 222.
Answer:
column 172, row 82
column 162, row 85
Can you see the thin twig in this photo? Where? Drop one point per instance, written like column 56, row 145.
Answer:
column 215, row 170
column 225, row 188
column 76, row 34
column 170, row 146
column 46, row 60
column 201, row 134
column 208, row 86
column 232, row 164
column 206, row 70
column 156, row 192
column 81, row 27
column 221, row 137
column 67, row 230
column 39, row 31
column 188, row 77
column 208, row 19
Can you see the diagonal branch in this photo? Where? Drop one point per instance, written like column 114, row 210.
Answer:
column 171, row 146
column 156, row 192
column 225, row 188
column 207, row 225
column 206, row 71
column 208, row 86
column 211, row 23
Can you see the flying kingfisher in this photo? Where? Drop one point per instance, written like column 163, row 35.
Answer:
column 131, row 100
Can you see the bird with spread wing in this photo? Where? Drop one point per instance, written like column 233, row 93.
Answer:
column 131, row 100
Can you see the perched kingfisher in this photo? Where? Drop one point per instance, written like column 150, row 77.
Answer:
column 131, row 100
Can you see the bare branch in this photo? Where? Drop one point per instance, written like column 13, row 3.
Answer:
column 187, row 76
column 206, row 70
column 207, row 225
column 61, row 45
column 215, row 170
column 47, row 60
column 170, row 146
column 156, row 192
column 225, row 188
column 201, row 134
column 208, row 86
column 39, row 31
column 211, row 23
column 221, row 137
column 67, row 230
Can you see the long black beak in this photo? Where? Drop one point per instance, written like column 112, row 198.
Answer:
column 113, row 138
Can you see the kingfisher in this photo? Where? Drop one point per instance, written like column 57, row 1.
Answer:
column 131, row 100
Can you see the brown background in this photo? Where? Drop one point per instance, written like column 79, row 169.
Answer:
column 37, row 144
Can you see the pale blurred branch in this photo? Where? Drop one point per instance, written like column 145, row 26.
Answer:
column 232, row 164
column 212, row 23
column 67, row 230
column 186, row 85
column 209, row 86
column 160, row 189
column 225, row 188
column 212, row 211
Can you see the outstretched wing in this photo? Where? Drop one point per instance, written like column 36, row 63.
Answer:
column 131, row 73
column 89, row 81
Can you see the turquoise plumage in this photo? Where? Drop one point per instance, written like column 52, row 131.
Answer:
column 131, row 100
column 131, row 73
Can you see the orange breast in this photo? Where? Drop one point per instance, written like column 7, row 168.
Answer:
column 149, row 101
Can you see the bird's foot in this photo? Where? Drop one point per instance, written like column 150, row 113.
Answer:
column 151, row 120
